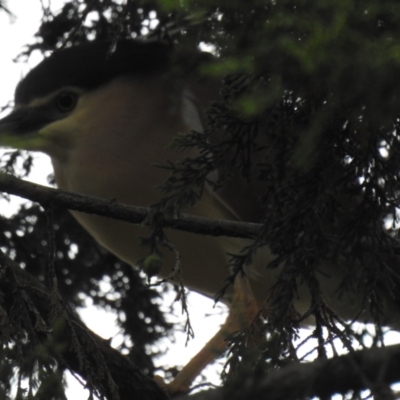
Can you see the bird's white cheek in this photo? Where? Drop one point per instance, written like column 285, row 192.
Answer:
column 58, row 138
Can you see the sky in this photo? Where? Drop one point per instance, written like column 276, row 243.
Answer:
column 15, row 32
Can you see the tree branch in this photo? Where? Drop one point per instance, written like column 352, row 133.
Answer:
column 113, row 209
column 371, row 369
column 112, row 375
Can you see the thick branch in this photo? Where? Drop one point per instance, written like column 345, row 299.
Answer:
column 122, row 376
column 112, row 209
column 367, row 369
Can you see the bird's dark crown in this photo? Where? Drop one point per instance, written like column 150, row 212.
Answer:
column 90, row 65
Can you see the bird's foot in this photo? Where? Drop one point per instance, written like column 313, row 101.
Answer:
column 175, row 388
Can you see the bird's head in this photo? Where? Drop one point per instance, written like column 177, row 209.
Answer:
column 61, row 93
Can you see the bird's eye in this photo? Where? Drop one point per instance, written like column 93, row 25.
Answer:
column 66, row 101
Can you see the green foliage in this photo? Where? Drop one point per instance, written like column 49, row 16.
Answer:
column 308, row 113
column 81, row 267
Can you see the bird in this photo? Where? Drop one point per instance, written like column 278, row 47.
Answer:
column 106, row 115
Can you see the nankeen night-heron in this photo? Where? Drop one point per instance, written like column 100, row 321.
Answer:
column 105, row 118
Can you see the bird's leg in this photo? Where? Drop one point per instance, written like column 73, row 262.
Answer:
column 242, row 311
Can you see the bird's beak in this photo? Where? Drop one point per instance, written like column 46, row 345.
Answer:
column 20, row 129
